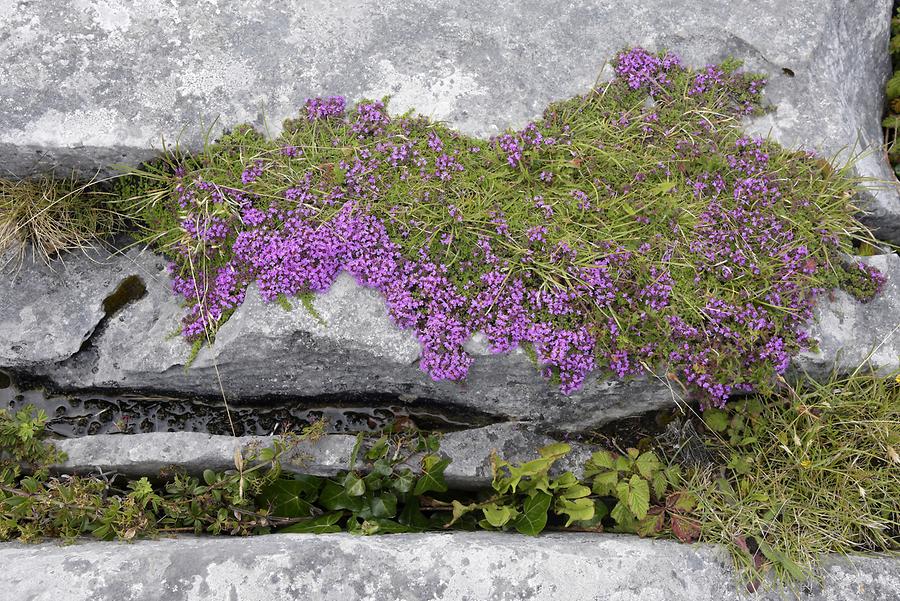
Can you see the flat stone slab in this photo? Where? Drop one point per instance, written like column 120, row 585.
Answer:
column 454, row 566
column 267, row 354
column 137, row 455
column 88, row 83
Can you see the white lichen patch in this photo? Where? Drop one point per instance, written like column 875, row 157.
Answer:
column 435, row 95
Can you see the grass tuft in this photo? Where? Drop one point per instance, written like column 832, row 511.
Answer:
column 807, row 473
column 53, row 216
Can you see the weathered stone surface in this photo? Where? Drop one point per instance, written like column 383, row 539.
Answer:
column 266, row 354
column 852, row 334
column 46, row 313
column 147, row 454
column 410, row 567
column 87, row 83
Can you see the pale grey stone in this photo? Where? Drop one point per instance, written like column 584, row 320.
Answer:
column 48, row 312
column 88, row 83
column 857, row 336
column 267, row 354
column 469, row 452
column 453, row 566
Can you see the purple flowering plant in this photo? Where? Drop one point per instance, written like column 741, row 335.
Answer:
column 632, row 229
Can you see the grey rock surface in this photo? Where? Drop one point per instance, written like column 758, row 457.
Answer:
column 267, row 354
column 147, row 454
column 48, row 312
column 88, row 83
column 453, row 566
column 853, row 334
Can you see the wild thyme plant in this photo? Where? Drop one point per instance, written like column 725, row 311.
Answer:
column 632, row 228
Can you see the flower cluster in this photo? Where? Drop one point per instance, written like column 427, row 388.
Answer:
column 613, row 234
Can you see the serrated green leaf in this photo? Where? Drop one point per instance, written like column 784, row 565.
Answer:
column 605, row 483
column 647, row 465
column 651, row 524
column 716, row 420
column 893, row 87
column 534, row 514
column 635, row 494
column 621, row 514
column 601, row 460
column 659, row 484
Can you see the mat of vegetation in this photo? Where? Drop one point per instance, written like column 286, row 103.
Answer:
column 634, row 228
column 891, row 121
column 794, row 477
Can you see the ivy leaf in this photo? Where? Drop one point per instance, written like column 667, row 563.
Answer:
column 412, row 515
column 318, row 525
column 381, row 526
column 404, row 481
column 354, row 485
column 594, row 523
column 290, row 497
column 555, row 451
column 576, row 491
column 384, row 505
column 534, row 514
column 433, row 477
column 334, row 497
column 460, row 510
column 578, row 509
column 647, row 465
column 565, row 480
column 635, row 494
column 498, row 515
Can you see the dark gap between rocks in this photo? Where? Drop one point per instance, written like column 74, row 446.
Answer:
column 89, row 412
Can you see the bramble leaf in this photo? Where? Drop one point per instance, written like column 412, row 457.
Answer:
column 635, row 494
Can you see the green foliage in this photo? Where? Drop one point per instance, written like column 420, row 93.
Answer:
column 891, row 121
column 807, row 473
